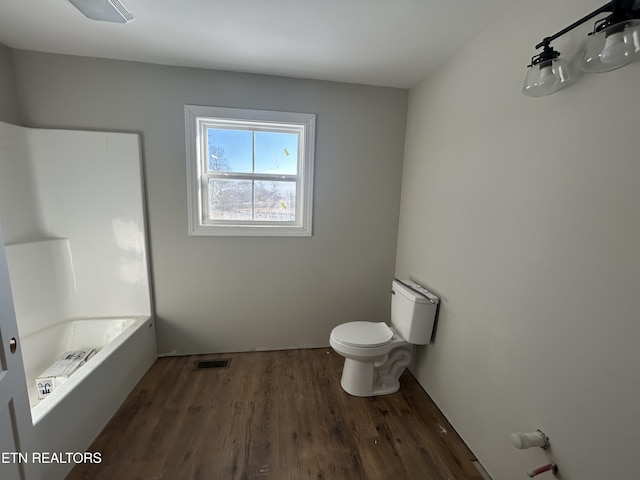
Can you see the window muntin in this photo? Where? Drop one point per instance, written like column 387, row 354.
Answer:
column 252, row 172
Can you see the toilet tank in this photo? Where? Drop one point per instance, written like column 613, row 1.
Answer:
column 413, row 311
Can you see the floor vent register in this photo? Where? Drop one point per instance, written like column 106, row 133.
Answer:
column 212, row 364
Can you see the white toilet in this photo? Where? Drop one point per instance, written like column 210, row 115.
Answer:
column 375, row 354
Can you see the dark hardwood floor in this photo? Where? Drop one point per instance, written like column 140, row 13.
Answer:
column 278, row 416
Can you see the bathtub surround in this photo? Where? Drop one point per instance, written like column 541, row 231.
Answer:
column 84, row 214
column 89, row 186
column 18, row 187
column 239, row 293
column 79, row 275
column 43, row 284
column 522, row 214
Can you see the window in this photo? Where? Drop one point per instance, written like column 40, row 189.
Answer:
column 250, row 172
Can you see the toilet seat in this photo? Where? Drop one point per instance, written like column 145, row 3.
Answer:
column 363, row 334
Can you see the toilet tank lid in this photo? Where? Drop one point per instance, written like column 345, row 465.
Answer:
column 414, row 292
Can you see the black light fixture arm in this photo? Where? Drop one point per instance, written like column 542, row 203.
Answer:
column 609, row 7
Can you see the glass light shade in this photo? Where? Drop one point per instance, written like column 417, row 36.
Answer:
column 546, row 77
column 104, row 10
column 612, row 47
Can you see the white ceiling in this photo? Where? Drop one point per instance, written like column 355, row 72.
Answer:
column 376, row 42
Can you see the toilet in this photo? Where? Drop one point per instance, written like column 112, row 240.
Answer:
column 375, row 355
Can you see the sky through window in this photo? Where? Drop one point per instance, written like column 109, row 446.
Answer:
column 275, row 152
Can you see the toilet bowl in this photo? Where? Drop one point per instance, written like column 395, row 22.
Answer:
column 375, row 354
column 375, row 357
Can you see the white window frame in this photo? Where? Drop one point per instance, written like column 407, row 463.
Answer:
column 197, row 119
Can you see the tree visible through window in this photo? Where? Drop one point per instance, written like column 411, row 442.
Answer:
column 252, row 169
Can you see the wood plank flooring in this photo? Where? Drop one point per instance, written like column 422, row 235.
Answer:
column 274, row 416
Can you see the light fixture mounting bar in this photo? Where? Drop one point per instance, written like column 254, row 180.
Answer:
column 605, row 8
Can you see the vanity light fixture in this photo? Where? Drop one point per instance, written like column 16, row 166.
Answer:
column 104, row 10
column 614, row 42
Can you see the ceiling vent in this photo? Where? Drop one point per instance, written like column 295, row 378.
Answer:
column 104, row 10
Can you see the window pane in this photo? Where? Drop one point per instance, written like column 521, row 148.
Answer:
column 229, row 150
column 230, row 199
column 276, row 153
column 275, row 201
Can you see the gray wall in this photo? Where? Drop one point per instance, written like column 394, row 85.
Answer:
column 9, row 104
column 240, row 293
column 524, row 215
column 17, row 185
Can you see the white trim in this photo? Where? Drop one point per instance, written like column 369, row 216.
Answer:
column 196, row 118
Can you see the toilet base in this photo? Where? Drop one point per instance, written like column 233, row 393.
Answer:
column 366, row 379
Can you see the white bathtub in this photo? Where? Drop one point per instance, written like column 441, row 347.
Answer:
column 84, row 261
column 69, row 418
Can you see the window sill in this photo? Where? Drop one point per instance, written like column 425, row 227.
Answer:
column 251, row 231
